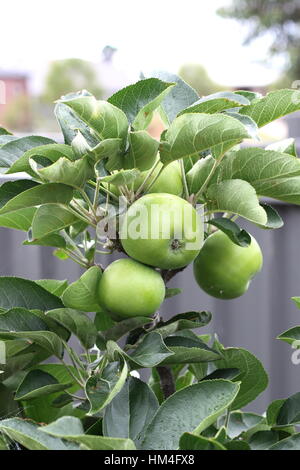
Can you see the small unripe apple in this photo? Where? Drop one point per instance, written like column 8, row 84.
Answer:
column 162, row 230
column 128, row 288
column 223, row 269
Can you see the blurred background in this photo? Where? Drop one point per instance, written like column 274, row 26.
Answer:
column 52, row 48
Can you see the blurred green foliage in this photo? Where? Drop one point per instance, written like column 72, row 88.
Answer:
column 69, row 75
column 197, row 77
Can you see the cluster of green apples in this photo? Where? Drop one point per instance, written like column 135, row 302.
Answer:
column 170, row 238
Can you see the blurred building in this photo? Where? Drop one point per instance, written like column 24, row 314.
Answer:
column 14, row 91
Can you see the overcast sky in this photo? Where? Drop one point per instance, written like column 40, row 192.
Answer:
column 154, row 34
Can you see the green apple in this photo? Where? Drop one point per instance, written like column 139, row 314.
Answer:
column 130, row 289
column 162, row 230
column 223, row 269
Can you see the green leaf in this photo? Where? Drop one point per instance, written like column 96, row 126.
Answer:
column 37, row 195
column 38, row 383
column 292, row 335
column 14, row 347
column 253, row 377
column 51, row 218
column 29, row 435
column 70, row 173
column 142, row 151
column 20, row 319
column 183, row 321
column 8, row 406
column 130, row 412
column 104, row 443
column 172, row 291
column 67, row 426
column 16, row 364
column 121, row 178
column 61, row 400
column 53, row 286
column 228, row 374
column 4, row 131
column 241, row 422
column 216, row 102
column 80, row 145
column 287, row 146
column 103, row 321
column 151, row 351
column 100, row 390
column 273, row 410
column 180, row 96
column 43, row 410
column 188, row 350
column 4, row 445
column 140, row 100
column 237, row 445
column 198, row 174
column 46, row 339
column 18, row 292
column 52, row 152
column 71, row 124
column 112, row 151
column 77, row 323
column 238, row 197
column 70, row 428
column 272, row 174
column 184, row 380
column 249, row 124
column 192, row 133
column 273, row 218
column 192, row 409
column 13, row 150
column 290, row 443
column 250, row 95
column 238, row 236
column 53, row 239
column 289, row 412
column 6, row 138
column 18, row 220
column 119, row 329
column 296, row 301
column 274, row 105
column 11, row 189
column 106, row 121
column 189, row 441
column 263, row 440
column 83, row 293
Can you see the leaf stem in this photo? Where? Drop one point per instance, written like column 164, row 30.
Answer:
column 166, row 380
column 75, row 210
column 205, row 184
column 70, row 372
column 96, row 195
column 102, row 364
column 75, row 396
column 69, row 239
column 82, row 209
column 156, row 178
column 89, row 203
column 106, row 191
column 76, row 259
column 148, row 176
column 183, row 175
